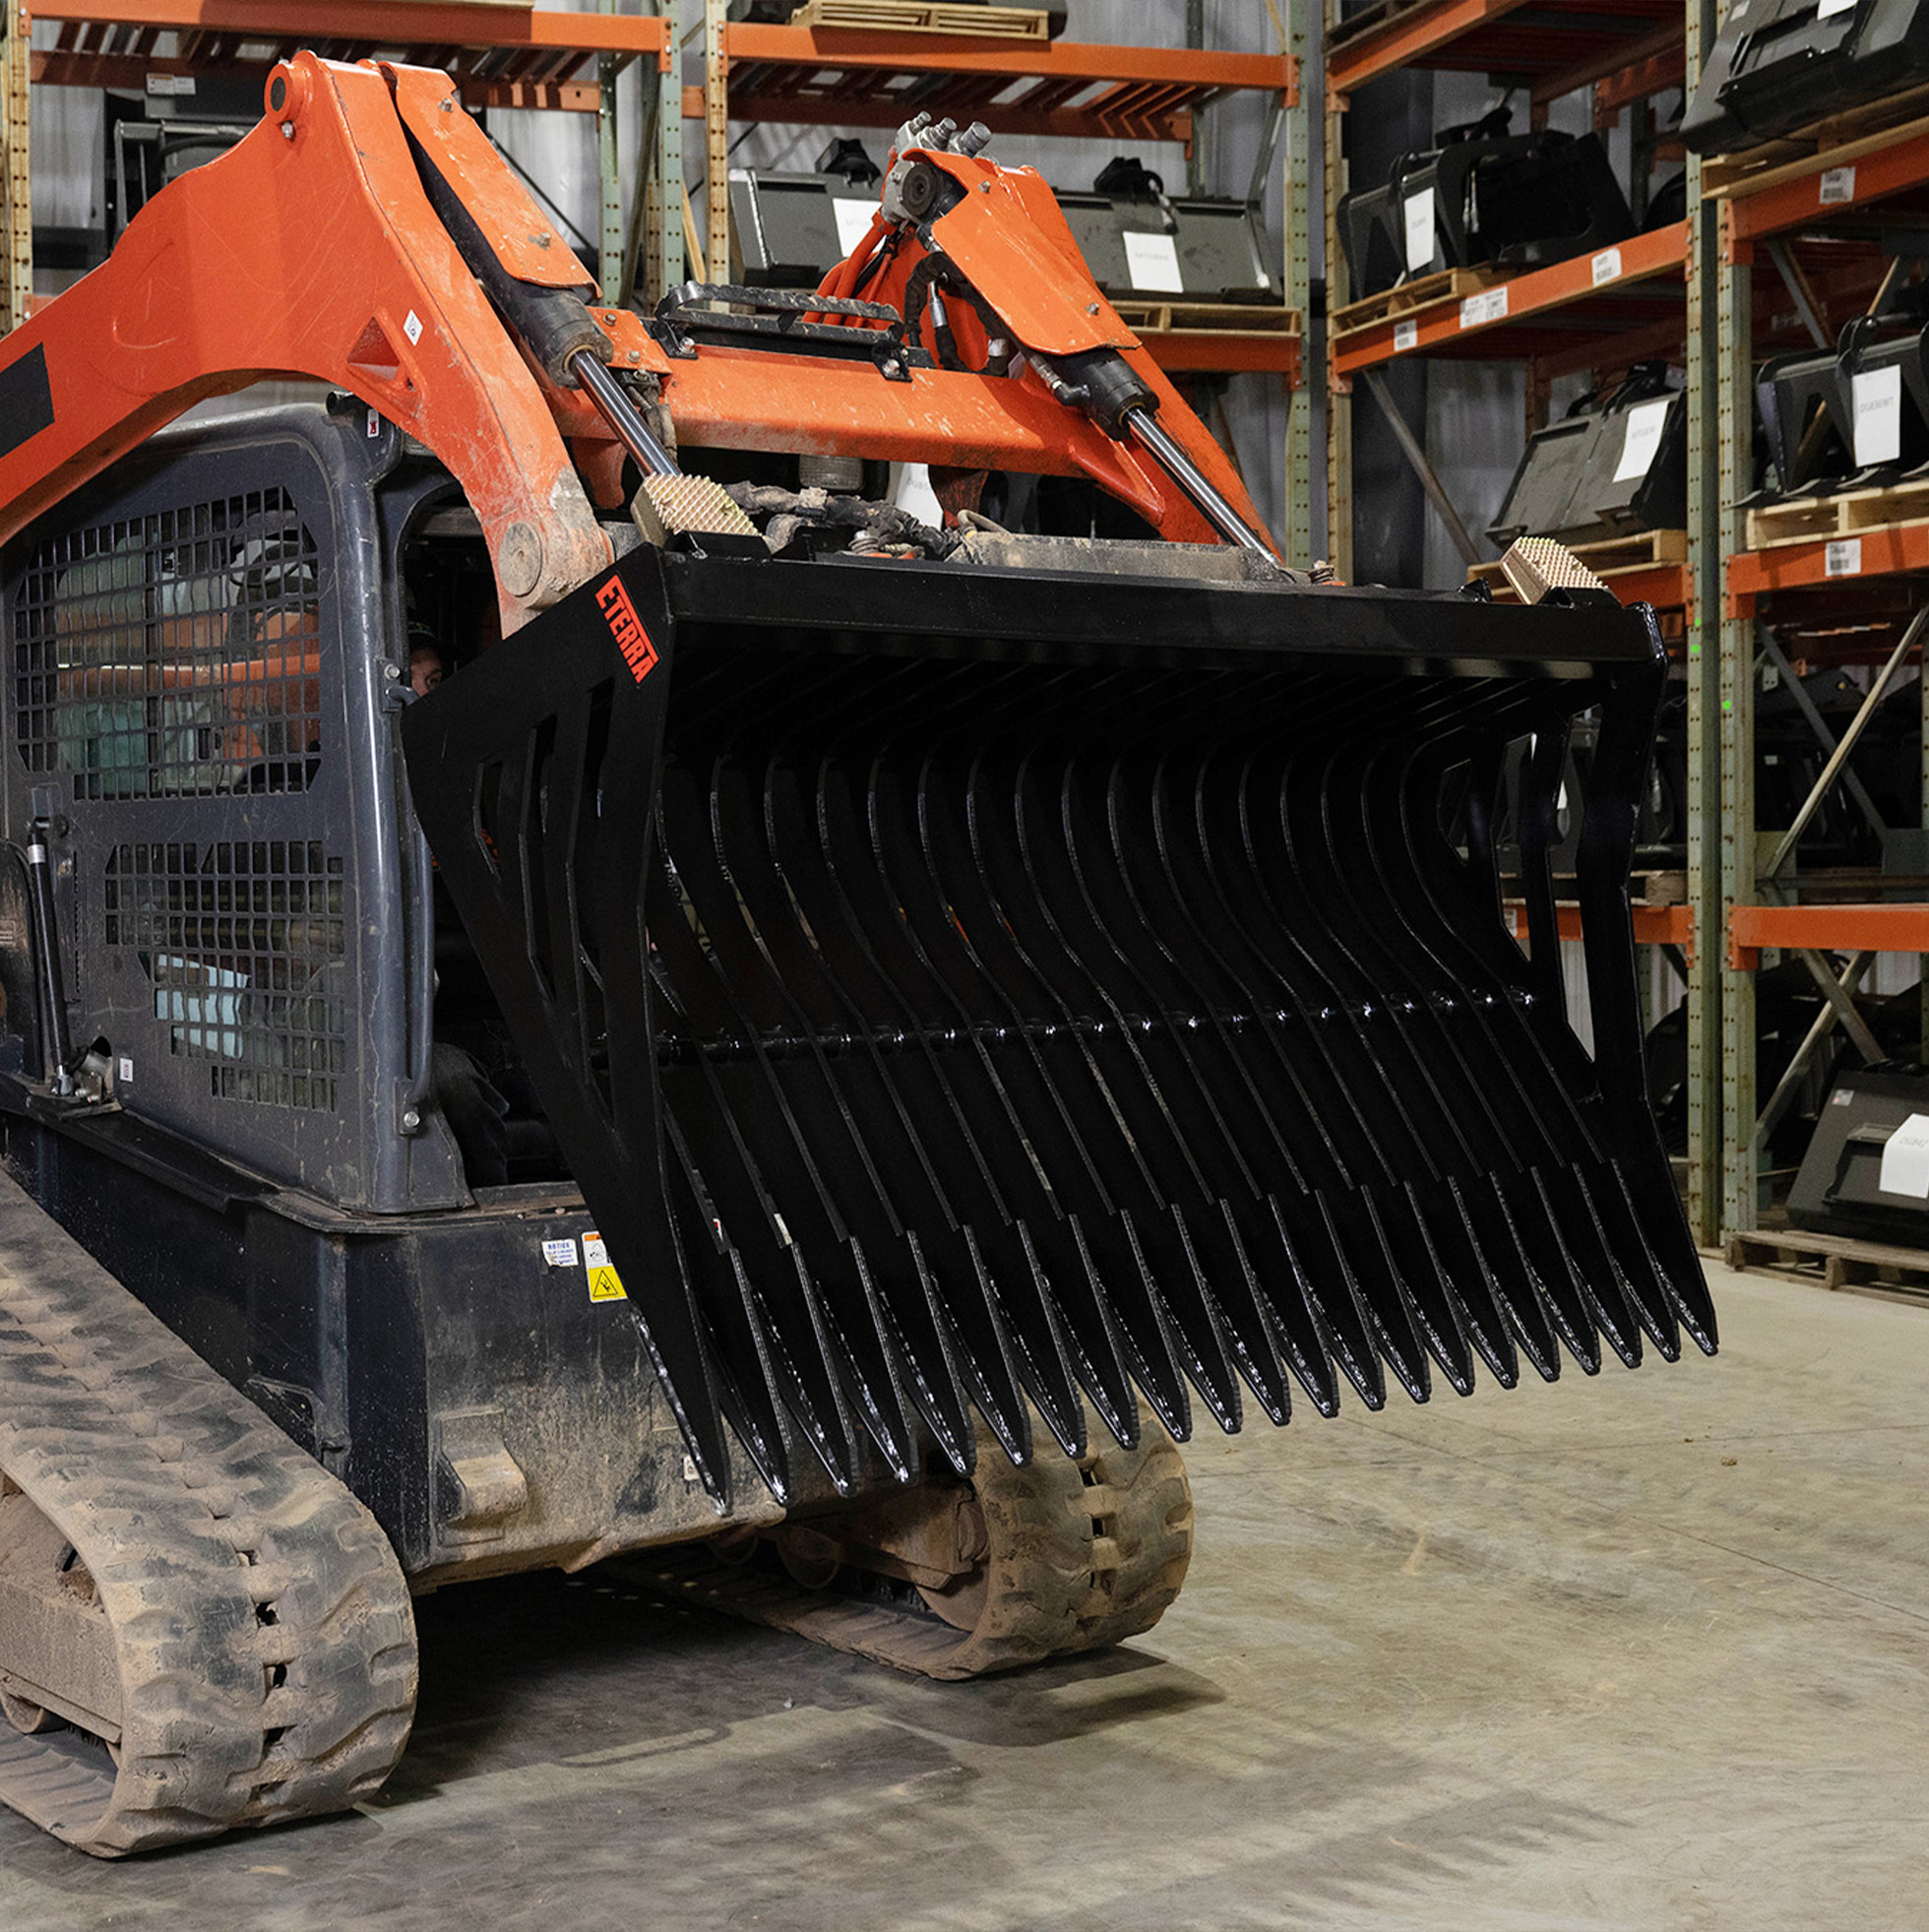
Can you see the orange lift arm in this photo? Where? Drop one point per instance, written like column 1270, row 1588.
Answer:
column 309, row 250
column 367, row 234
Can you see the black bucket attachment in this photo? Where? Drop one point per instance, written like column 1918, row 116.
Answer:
column 955, row 986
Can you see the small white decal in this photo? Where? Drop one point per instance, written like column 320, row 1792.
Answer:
column 1905, row 1158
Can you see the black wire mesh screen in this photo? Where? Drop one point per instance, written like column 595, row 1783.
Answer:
column 243, row 943
column 1084, row 998
column 174, row 653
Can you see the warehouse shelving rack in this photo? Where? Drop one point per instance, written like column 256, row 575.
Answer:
column 1606, row 310
column 842, row 77
column 1835, row 190
column 501, row 56
column 1643, row 298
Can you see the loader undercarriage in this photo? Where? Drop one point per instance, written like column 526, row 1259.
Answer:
column 199, row 1626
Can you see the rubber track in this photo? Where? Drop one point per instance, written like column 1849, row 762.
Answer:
column 1084, row 1555
column 266, row 1638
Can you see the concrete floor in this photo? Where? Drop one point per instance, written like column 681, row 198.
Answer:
column 1648, row 1651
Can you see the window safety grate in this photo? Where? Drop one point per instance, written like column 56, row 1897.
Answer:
column 244, row 945
column 174, row 653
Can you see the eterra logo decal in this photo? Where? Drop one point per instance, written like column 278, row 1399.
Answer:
column 626, row 627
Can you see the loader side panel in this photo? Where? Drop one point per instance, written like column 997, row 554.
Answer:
column 190, row 652
column 1068, row 988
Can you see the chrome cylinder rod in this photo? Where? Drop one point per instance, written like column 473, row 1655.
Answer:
column 1185, row 473
column 622, row 415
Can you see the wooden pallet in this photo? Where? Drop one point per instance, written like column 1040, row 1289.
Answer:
column 925, row 17
column 1834, row 139
column 1370, row 20
column 1449, row 284
column 1231, row 318
column 1606, row 556
column 1805, row 519
column 1833, row 1261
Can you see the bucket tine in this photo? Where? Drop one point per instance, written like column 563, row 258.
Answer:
column 889, row 1138
column 748, row 1126
column 1188, row 1061
column 1023, row 1230
column 842, row 1126
column 1330, row 1295
column 1466, row 1282
column 1634, row 1266
column 1353, row 1223
column 828, row 960
column 1139, row 1056
column 960, row 932
column 1002, row 1086
column 743, row 1330
column 1090, row 1059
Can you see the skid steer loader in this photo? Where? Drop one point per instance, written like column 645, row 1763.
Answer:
column 817, row 1052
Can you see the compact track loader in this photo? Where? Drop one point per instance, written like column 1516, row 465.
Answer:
column 818, row 1052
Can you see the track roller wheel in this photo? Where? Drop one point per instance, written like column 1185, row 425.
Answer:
column 1078, row 1556
column 956, row 1579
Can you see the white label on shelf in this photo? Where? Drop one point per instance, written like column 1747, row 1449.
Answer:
column 166, row 87
column 1842, row 558
column 1419, row 231
column 1837, row 185
column 1153, row 262
column 854, row 220
column 1607, row 266
column 1641, row 439
column 1490, row 306
column 412, row 327
column 1827, row 8
column 1905, row 1158
column 1405, row 335
column 1878, row 416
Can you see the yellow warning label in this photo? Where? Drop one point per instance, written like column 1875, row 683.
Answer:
column 606, row 1284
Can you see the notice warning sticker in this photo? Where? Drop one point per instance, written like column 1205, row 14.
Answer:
column 559, row 1254
column 606, row 1284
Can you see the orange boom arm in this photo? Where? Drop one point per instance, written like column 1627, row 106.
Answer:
column 368, row 235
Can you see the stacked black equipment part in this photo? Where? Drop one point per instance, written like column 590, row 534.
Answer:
column 1859, row 415
column 1607, row 467
column 1484, row 196
column 791, row 228
column 1866, row 1173
column 1777, row 65
column 1138, row 241
column 1010, row 1022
